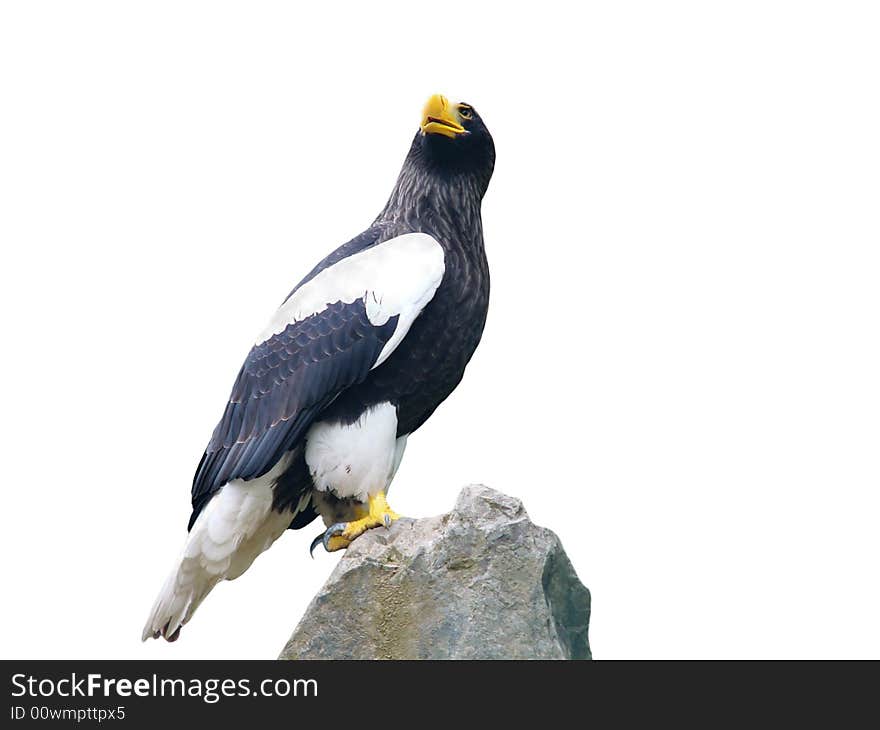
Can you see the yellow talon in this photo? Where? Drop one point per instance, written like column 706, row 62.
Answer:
column 378, row 514
column 340, row 536
column 336, row 542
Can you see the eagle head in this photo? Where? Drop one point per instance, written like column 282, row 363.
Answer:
column 453, row 141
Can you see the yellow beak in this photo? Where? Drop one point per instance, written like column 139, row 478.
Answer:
column 441, row 117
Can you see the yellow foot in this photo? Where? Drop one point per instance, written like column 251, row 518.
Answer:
column 336, row 542
column 342, row 534
column 332, row 543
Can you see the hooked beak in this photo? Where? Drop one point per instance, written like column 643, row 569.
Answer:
column 441, row 117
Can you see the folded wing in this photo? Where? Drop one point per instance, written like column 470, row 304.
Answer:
column 342, row 321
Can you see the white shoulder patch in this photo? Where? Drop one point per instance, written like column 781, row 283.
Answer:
column 395, row 278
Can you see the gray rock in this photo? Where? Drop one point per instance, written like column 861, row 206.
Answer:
column 481, row 582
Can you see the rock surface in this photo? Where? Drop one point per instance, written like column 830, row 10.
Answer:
column 481, row 582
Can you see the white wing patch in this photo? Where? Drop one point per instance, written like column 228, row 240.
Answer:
column 394, row 278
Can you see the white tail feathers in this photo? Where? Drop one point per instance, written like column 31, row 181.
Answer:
column 181, row 595
column 232, row 529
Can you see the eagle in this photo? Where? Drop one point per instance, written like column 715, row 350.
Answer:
column 356, row 358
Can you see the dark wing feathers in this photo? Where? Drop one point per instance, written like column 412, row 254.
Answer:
column 284, row 383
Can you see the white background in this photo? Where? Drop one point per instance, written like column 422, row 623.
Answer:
column 680, row 373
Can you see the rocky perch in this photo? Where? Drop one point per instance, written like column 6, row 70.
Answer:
column 481, row 582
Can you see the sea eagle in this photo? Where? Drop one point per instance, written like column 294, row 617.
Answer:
column 358, row 356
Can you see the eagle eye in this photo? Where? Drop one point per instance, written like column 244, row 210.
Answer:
column 465, row 112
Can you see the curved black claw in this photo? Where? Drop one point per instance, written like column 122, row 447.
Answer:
column 336, row 529
column 317, row 541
